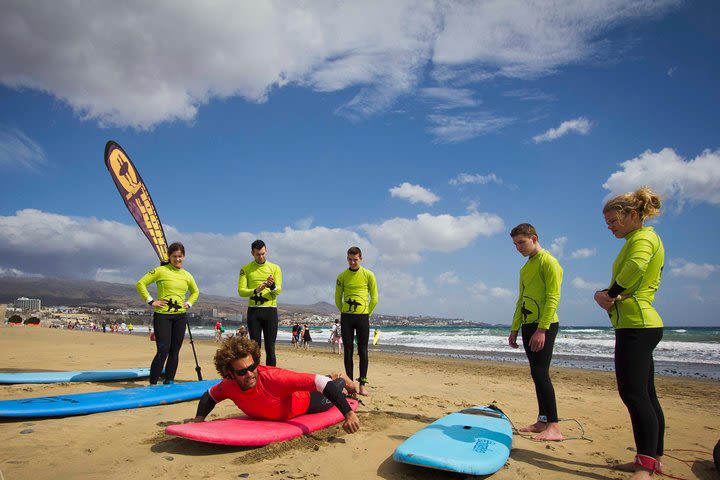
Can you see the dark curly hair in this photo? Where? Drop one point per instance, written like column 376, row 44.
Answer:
column 235, row 348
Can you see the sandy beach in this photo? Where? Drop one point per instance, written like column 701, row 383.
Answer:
column 407, row 393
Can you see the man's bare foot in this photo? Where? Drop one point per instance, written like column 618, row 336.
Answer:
column 551, row 433
column 536, row 427
column 363, row 391
column 642, row 474
column 634, row 467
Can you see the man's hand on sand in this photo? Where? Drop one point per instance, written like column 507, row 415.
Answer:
column 351, row 423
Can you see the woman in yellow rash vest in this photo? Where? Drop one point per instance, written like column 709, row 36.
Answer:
column 169, row 322
column 638, row 327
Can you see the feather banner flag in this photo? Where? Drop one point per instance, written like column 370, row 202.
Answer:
column 136, row 197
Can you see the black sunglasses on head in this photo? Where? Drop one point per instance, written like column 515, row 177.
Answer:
column 250, row 368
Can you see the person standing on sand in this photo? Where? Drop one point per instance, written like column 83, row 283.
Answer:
column 352, row 289
column 261, row 282
column 307, row 339
column 336, row 336
column 638, row 327
column 169, row 321
column 536, row 310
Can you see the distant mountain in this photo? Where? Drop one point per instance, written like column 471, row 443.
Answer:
column 89, row 293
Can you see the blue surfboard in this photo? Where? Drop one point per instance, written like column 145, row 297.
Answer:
column 476, row 441
column 86, row 376
column 83, row 403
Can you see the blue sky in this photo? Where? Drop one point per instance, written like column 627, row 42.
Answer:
column 421, row 131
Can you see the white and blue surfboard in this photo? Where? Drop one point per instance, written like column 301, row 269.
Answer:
column 84, row 403
column 475, row 441
column 81, row 376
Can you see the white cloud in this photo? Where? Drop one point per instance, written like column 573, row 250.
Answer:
column 671, row 71
column 161, row 61
column 695, row 181
column 582, row 284
column 458, row 128
column 414, row 194
column 530, row 95
column 580, row 125
column 583, row 253
column 499, row 292
column 683, row 268
column 412, row 296
column 557, row 246
column 304, row 223
column 504, row 37
column 448, row 98
column 402, row 240
column 57, row 245
column 482, row 292
column 476, row 178
column 19, row 150
column 14, row 272
column 447, row 278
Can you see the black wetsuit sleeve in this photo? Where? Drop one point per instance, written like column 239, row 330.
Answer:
column 205, row 406
column 334, row 393
column 615, row 290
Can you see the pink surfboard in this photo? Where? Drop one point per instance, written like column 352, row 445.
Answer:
column 247, row 432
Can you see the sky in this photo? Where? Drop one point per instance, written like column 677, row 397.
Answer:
column 421, row 131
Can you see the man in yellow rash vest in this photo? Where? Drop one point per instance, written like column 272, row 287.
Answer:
column 169, row 321
column 260, row 282
column 352, row 289
column 540, row 283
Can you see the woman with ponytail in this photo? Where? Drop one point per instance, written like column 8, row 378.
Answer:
column 638, row 326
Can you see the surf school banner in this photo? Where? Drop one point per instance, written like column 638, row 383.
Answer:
column 136, row 197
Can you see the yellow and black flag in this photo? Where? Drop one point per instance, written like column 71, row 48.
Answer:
column 136, row 197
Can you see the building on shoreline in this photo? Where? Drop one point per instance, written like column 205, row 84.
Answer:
column 28, row 304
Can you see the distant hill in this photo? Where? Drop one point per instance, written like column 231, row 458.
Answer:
column 89, row 293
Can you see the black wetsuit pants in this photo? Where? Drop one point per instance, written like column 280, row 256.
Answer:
column 635, row 373
column 169, row 336
column 540, row 370
column 319, row 402
column 350, row 325
column 263, row 322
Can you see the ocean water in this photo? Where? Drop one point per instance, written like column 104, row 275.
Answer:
column 689, row 351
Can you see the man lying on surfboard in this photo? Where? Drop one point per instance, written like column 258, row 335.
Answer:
column 271, row 393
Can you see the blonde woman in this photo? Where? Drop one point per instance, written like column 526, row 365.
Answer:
column 638, row 326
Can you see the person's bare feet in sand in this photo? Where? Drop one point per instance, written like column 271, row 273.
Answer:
column 634, row 467
column 551, row 433
column 363, row 391
column 536, row 427
column 642, row 474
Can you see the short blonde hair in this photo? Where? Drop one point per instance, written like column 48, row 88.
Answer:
column 644, row 201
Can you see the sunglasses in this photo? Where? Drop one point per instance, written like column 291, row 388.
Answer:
column 250, row 368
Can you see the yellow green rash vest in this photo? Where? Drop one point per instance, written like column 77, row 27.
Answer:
column 352, row 289
column 252, row 275
column 637, row 269
column 540, row 282
column 172, row 284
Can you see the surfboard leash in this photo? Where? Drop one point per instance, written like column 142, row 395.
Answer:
column 686, row 462
column 529, row 436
